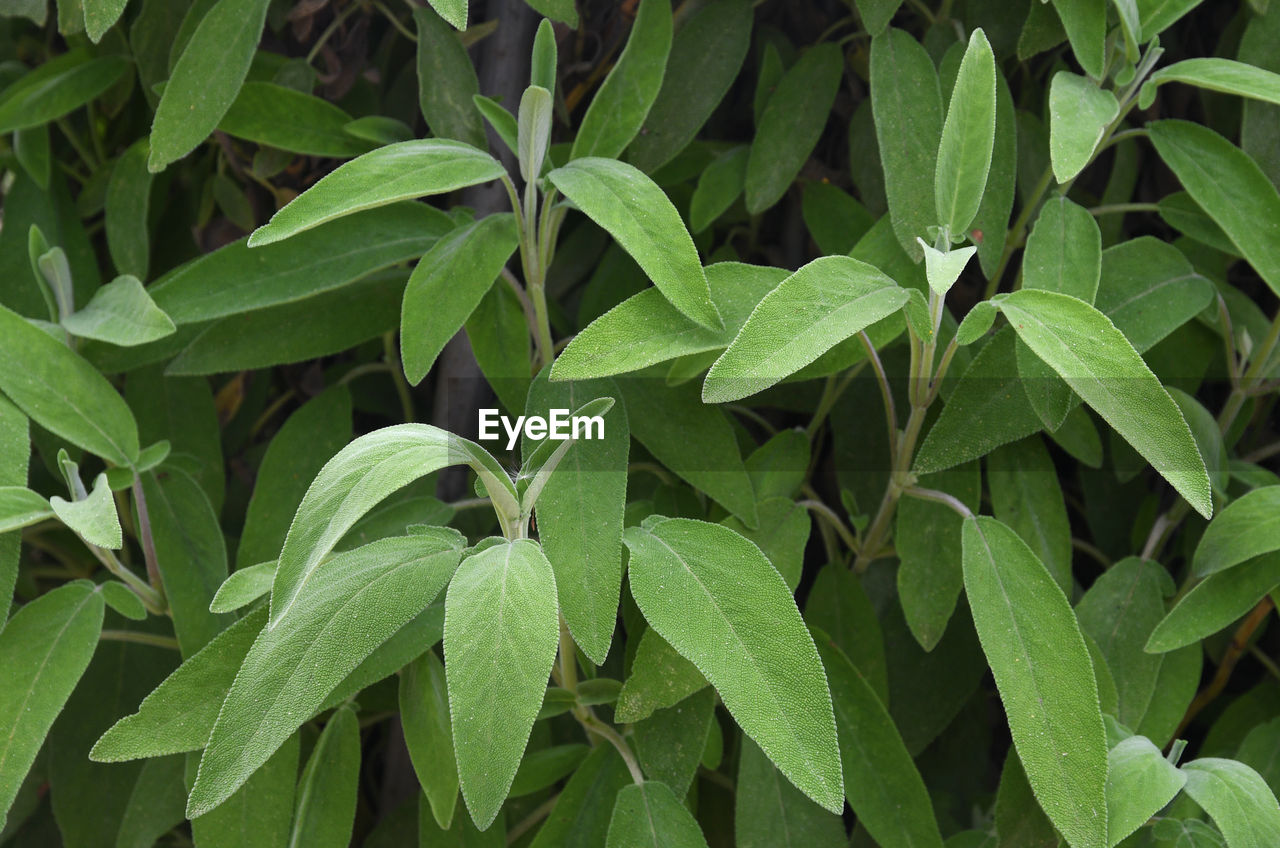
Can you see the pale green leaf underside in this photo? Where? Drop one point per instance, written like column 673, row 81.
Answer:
column 968, row 134
column 1238, row 799
column 1079, row 112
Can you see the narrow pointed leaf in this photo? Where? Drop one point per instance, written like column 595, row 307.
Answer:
column 816, row 308
column 44, row 649
column 1042, row 669
column 719, row 602
column 243, row 587
column 63, row 393
column 20, row 507
column 453, row 11
column 447, row 80
column 57, row 88
column 621, row 104
column 1064, row 251
column 769, row 811
column 1215, row 603
column 1085, row 349
column 447, row 285
column 359, row 601
column 1086, row 24
column 402, row 171
column 325, row 802
column 1248, row 527
column 968, row 134
column 356, row 480
column 500, row 637
column 424, row 712
column 1214, row 74
column 278, row 116
column 628, row 204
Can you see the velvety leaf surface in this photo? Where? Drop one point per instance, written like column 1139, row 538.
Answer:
column 1248, row 527
column 964, row 153
column 1140, row 782
column 1215, row 602
column 424, row 714
column 1079, row 113
column 650, row 815
column 1238, row 800
column 325, row 802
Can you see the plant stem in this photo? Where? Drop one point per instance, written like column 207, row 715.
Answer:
column 886, row 392
column 147, row 539
column 829, row 517
column 940, row 497
column 604, row 731
column 1239, row 643
column 329, row 31
column 138, row 637
column 1122, row 208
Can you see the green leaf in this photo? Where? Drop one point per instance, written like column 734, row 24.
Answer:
column 325, row 805
column 719, row 602
column 1079, row 113
column 1086, row 24
column 180, row 713
column 719, row 185
column 1215, row 603
column 63, row 393
column 1119, row 611
column 622, row 200
column 580, row 515
column 649, row 815
column 1140, row 782
column 1228, row 185
column 558, row 10
column 191, row 554
column 123, row 601
column 401, row 171
column 695, row 441
column 57, row 88
column 499, row 335
column 646, row 329
column 669, row 744
column 1064, row 251
column 20, row 507
column 768, row 811
column 502, row 121
column 1026, row 496
column 792, row 122
column 706, row 55
column 206, row 79
column 446, row 79
column 92, row 518
column 44, row 649
column 281, row 117
column 306, row 440
column 424, row 713
column 620, row 106
column 581, row 815
column 881, row 782
column 127, row 211
column 358, row 601
column 907, row 103
column 120, row 313
column 32, row 147
column 453, row 11
column 964, row 153
column 156, row 805
column 1096, row 360
column 540, row 769
column 447, row 285
column 545, row 57
column 943, row 269
column 1238, row 800
column 1148, row 289
column 782, row 535
column 839, row 606
column 243, row 586
column 1042, row 670
column 817, row 307
column 100, row 16
column 1248, row 527
column 238, row 279
column 836, row 221
column 500, row 638
column 260, row 811
column 533, row 131
column 356, row 480
column 1019, row 820
column 1214, row 74
column 379, row 129
column 660, row 678
column 876, row 14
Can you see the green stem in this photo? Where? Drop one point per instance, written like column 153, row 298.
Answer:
column 829, row 517
column 329, row 31
column 140, row 638
column 1123, row 208
column 392, row 359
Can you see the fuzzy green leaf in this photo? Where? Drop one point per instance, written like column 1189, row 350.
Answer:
column 1149, row 289
column 500, row 637
column 58, row 87
column 1248, row 527
column 649, row 815
column 1086, row 24
column 1215, row 602
column 1079, row 113
column 1214, row 74
column 281, row 117
column 120, row 313
column 628, row 204
column 92, row 518
column 718, row 601
column 1140, row 782
column 1237, row 798
column 1042, row 669
column 325, row 804
column 968, row 134
column 447, row 80
column 21, row 507
column 768, row 811
column 424, row 712
column 243, row 587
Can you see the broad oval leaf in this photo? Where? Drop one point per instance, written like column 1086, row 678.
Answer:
column 356, row 480
column 719, row 602
column 1095, row 359
column 622, row 200
column 1148, row 289
column 1079, row 113
column 968, row 135
column 402, row 171
column 882, row 784
column 1086, row 24
column 243, row 586
column 621, row 104
column 447, row 81
column 791, row 124
column 360, row 599
column 1140, row 782
column 1042, row 669
column 1229, row 186
column 816, row 308
column 447, row 285
column 44, row 649
column 63, row 393
column 1246, row 528
column 649, row 815
column 58, row 87
column 100, row 16
column 1064, row 251
column 206, row 79
column 325, row 806
column 1237, row 798
column 500, row 634
column 237, row 279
